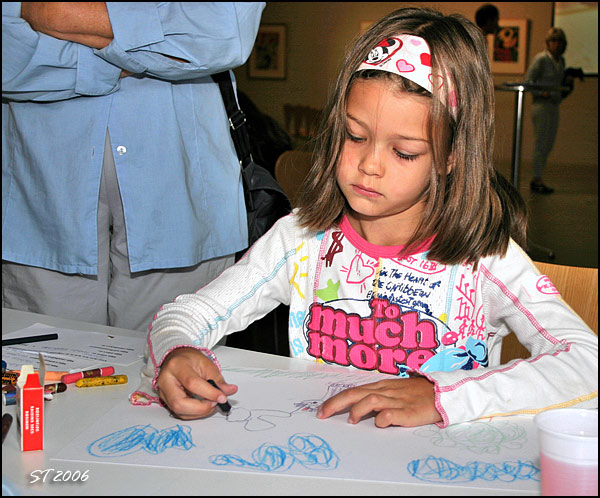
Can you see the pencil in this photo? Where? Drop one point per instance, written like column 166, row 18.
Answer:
column 31, row 338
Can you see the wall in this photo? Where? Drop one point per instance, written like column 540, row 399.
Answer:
column 318, row 33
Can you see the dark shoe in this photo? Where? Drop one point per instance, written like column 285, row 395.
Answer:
column 540, row 188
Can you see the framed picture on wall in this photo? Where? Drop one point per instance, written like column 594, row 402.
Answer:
column 268, row 57
column 508, row 47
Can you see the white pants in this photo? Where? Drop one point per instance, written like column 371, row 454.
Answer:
column 545, row 116
column 115, row 296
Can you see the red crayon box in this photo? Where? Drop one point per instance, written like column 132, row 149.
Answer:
column 31, row 411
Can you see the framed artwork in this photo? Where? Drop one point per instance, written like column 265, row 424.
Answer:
column 268, row 57
column 508, row 47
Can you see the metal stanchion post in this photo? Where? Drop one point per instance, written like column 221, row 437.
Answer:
column 520, row 89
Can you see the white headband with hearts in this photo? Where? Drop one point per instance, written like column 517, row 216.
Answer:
column 410, row 57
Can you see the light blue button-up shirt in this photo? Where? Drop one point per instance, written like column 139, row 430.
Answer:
column 176, row 165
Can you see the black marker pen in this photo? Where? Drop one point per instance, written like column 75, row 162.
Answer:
column 225, row 407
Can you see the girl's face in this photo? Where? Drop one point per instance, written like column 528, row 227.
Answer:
column 386, row 161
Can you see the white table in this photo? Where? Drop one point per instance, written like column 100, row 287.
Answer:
column 67, row 415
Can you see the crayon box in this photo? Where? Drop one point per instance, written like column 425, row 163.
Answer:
column 30, row 399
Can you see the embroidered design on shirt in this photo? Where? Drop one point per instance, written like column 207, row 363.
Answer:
column 297, row 272
column 359, row 271
column 335, row 248
column 329, row 293
column 545, row 286
column 387, row 340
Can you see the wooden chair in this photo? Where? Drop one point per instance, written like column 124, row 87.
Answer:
column 578, row 287
column 290, row 169
column 301, row 121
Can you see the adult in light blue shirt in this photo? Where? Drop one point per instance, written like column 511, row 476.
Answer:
column 142, row 91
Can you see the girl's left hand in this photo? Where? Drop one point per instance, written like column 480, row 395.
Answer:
column 404, row 402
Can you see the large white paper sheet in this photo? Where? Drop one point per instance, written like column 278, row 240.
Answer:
column 74, row 350
column 272, row 427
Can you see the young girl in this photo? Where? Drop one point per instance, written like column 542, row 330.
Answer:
column 402, row 257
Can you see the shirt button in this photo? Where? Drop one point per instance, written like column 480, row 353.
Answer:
column 121, row 149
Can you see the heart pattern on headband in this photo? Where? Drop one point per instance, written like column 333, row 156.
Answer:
column 426, row 59
column 404, row 67
column 410, row 57
column 436, row 80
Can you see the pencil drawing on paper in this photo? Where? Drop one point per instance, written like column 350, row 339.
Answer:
column 307, row 450
column 477, row 437
column 142, row 437
column 263, row 419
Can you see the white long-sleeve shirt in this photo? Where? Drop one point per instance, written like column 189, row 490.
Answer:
column 356, row 304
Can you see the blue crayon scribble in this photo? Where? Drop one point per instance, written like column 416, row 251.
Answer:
column 307, row 450
column 142, row 437
column 437, row 469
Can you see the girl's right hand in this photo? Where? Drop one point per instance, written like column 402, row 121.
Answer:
column 184, row 373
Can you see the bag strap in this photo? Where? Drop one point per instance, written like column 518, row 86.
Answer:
column 237, row 119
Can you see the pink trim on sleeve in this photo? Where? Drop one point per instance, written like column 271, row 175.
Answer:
column 438, row 404
column 492, row 278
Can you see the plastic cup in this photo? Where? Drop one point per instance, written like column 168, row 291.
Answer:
column 568, row 451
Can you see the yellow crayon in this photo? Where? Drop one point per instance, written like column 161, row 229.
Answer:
column 108, row 380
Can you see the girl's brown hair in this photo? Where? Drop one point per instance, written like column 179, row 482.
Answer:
column 470, row 208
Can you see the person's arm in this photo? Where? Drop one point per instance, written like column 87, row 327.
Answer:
column 152, row 39
column 40, row 67
column 86, row 23
column 182, row 330
column 562, row 369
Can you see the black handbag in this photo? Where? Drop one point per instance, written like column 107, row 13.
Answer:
column 266, row 201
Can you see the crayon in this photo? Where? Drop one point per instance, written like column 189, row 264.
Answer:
column 29, row 339
column 225, row 407
column 9, row 378
column 59, row 387
column 102, row 381
column 97, row 372
column 48, row 388
column 9, row 399
column 6, row 423
column 51, row 376
column 54, row 376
